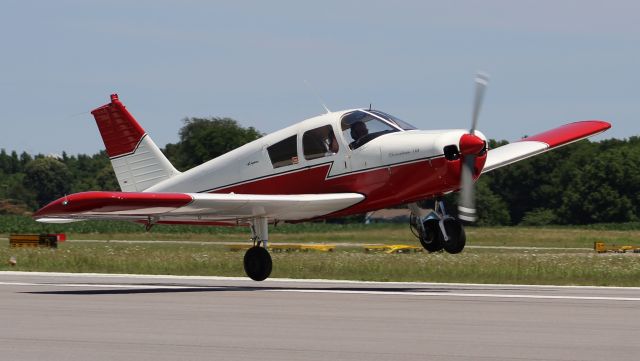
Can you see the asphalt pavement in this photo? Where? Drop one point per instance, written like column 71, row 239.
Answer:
column 47, row 316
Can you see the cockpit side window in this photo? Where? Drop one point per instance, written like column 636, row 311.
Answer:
column 359, row 128
column 319, row 142
column 284, row 152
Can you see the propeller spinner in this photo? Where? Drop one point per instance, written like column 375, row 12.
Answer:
column 470, row 146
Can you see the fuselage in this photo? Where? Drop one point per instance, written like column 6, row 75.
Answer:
column 394, row 164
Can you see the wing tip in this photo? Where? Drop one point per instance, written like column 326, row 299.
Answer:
column 571, row 132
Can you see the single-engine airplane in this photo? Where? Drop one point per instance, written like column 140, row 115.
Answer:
column 335, row 164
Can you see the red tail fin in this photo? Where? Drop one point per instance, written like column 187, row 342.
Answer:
column 136, row 159
column 120, row 131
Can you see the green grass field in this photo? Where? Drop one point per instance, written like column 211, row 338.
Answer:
column 557, row 265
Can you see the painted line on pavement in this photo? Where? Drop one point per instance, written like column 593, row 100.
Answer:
column 471, row 295
column 391, row 292
column 299, row 280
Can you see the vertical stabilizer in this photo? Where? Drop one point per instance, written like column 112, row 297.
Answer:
column 136, row 159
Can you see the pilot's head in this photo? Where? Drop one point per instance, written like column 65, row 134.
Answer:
column 358, row 130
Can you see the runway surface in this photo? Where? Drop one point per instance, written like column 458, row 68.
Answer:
column 123, row 317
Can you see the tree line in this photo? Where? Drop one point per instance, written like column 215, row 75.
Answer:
column 582, row 183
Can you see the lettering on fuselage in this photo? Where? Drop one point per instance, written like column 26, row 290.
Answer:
column 397, row 154
column 252, row 163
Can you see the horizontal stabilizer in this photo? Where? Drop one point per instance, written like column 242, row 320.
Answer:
column 195, row 208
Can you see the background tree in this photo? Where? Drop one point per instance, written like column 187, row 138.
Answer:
column 106, row 179
column 492, row 209
column 48, row 178
column 202, row 139
column 91, row 172
column 605, row 187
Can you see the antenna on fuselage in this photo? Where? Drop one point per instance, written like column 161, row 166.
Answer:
column 317, row 96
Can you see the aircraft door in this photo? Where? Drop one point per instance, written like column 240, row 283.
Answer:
column 321, row 145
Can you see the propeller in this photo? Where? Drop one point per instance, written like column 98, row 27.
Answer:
column 470, row 146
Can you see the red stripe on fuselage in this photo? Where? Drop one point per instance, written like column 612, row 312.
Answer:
column 382, row 187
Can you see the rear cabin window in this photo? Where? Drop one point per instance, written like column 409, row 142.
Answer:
column 284, row 153
column 319, row 142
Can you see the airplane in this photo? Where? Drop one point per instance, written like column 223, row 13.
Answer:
column 332, row 165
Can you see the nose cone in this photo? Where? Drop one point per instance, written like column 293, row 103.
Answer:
column 471, row 144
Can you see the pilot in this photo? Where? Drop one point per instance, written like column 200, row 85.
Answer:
column 358, row 131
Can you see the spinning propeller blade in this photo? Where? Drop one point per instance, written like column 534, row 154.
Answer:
column 482, row 80
column 467, row 202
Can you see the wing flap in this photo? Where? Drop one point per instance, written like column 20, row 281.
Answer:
column 193, row 207
column 540, row 143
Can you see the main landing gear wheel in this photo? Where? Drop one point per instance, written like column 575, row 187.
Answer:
column 257, row 263
column 432, row 239
column 457, row 238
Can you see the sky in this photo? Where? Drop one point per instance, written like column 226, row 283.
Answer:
column 268, row 63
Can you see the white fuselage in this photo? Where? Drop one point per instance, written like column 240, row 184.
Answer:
column 249, row 169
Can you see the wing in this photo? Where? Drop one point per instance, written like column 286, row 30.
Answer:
column 192, row 208
column 540, row 143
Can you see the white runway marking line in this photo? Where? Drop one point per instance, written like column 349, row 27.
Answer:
column 302, row 280
column 352, row 292
column 100, row 285
column 454, row 294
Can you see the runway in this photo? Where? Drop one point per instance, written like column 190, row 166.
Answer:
column 124, row 317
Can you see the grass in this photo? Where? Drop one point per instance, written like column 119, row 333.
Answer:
column 471, row 267
column 557, row 236
column 24, row 224
column 562, row 237
column 391, row 234
column 474, row 265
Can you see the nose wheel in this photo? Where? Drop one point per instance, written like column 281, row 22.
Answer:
column 430, row 238
column 437, row 230
column 457, row 238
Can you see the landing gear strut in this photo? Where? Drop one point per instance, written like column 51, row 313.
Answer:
column 437, row 230
column 257, row 260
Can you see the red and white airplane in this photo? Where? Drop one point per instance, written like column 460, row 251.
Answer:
column 332, row 165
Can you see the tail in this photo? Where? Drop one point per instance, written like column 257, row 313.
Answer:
column 136, row 159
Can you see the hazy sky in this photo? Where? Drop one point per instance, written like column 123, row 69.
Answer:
column 551, row 62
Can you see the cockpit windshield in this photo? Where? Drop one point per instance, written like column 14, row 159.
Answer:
column 399, row 122
column 361, row 126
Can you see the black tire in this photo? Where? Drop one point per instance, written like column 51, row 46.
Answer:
column 257, row 263
column 457, row 236
column 432, row 240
